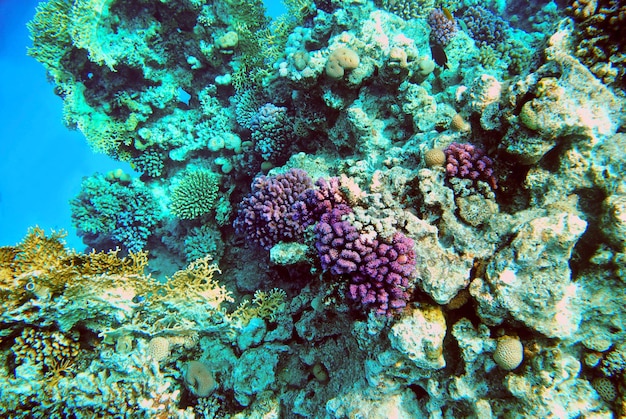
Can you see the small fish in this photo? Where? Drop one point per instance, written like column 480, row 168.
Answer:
column 439, row 55
column 447, row 14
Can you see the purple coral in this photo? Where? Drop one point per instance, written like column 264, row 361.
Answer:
column 281, row 207
column 382, row 280
column 485, row 27
column 378, row 272
column 275, row 209
column 325, row 197
column 443, row 26
column 337, row 242
column 466, row 161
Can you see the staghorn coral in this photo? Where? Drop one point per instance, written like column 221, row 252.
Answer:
column 195, row 194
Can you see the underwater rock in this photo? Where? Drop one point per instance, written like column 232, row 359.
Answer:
column 530, row 279
column 255, row 372
column 419, row 335
column 575, row 104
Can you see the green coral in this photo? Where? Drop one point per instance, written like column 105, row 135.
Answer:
column 49, row 31
column 265, row 305
column 113, row 211
column 202, row 241
column 195, row 194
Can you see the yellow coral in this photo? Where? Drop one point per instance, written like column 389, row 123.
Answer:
column 86, row 23
column 265, row 305
column 195, row 286
column 42, row 265
column 50, row 35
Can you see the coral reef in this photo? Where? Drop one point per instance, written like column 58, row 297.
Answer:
column 468, row 162
column 111, row 211
column 484, row 26
column 434, row 188
column 195, row 194
column 601, row 45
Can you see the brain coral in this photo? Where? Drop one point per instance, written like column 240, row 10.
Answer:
column 509, row 353
column 196, row 194
column 199, row 379
column 158, row 348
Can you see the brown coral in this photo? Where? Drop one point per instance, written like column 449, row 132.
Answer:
column 42, row 266
column 601, row 43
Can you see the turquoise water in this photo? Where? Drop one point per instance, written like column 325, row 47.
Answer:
column 351, row 209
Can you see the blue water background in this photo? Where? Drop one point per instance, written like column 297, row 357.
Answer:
column 41, row 161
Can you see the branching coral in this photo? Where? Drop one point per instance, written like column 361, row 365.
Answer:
column 485, row 27
column 443, row 26
column 272, row 132
column 49, row 31
column 41, row 266
column 194, row 285
column 266, row 305
column 108, row 212
column 196, row 194
column 275, row 209
column 601, row 41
